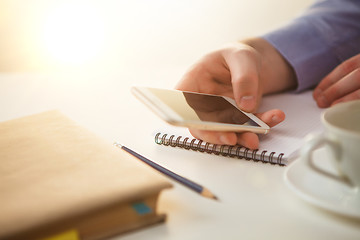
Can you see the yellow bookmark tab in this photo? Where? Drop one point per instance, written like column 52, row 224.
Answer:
column 68, row 235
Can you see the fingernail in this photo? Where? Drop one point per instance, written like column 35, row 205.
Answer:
column 322, row 101
column 275, row 119
column 224, row 140
column 247, row 103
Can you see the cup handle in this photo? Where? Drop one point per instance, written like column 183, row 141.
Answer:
column 316, row 142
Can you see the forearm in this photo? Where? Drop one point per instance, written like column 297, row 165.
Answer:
column 276, row 73
column 321, row 38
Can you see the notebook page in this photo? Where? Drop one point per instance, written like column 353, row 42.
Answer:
column 302, row 117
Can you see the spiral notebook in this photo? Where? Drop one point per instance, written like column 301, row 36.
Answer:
column 280, row 147
column 224, row 150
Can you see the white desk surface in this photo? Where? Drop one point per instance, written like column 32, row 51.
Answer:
column 255, row 202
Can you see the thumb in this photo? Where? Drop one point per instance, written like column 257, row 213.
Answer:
column 244, row 68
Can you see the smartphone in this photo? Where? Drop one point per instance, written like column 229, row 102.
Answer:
column 198, row 110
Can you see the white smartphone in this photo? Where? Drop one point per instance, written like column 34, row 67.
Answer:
column 198, row 110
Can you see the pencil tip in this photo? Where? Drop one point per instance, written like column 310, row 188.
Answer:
column 206, row 193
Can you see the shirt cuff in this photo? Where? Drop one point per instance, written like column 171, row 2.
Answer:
column 303, row 46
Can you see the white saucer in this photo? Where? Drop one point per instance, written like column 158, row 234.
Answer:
column 322, row 191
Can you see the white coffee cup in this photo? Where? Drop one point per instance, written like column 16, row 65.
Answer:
column 342, row 140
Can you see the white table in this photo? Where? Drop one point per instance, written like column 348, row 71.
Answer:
column 255, row 202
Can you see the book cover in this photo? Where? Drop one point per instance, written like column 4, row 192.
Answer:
column 59, row 179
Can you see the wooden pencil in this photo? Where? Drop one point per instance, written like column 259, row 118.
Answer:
column 184, row 181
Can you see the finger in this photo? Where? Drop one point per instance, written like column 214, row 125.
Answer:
column 208, row 75
column 341, row 88
column 215, row 137
column 248, row 139
column 188, row 82
column 338, row 73
column 272, row 117
column 350, row 97
column 243, row 65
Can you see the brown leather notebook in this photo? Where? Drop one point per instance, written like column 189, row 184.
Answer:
column 57, row 179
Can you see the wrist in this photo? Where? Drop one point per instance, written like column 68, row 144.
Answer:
column 276, row 73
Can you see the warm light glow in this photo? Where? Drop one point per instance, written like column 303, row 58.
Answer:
column 74, row 32
column 128, row 35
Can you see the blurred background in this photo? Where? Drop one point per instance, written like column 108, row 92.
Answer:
column 111, row 36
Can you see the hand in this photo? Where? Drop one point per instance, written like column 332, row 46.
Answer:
column 232, row 71
column 242, row 71
column 341, row 85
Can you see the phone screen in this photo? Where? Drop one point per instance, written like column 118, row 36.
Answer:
column 200, row 107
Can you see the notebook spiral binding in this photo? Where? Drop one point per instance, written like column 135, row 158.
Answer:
column 224, row 150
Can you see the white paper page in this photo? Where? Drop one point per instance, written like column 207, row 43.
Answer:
column 303, row 116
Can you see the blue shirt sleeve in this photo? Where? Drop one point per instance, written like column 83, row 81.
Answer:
column 325, row 35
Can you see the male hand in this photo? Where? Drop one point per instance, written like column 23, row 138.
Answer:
column 243, row 72
column 341, row 85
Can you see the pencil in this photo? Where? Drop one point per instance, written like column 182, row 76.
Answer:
column 186, row 182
